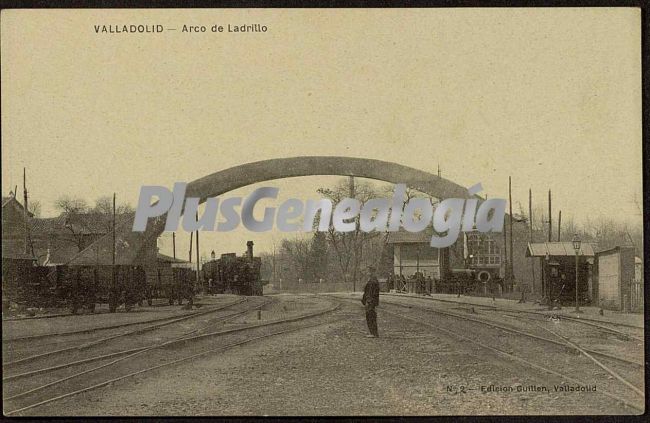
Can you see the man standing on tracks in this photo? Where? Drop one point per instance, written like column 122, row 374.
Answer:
column 370, row 300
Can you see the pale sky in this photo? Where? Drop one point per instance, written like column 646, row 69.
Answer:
column 551, row 97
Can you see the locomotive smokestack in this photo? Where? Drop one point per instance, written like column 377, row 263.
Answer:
column 249, row 250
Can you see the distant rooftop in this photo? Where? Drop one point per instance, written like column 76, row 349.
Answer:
column 170, row 259
column 404, row 237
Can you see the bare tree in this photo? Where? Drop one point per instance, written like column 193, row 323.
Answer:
column 82, row 221
column 104, row 205
column 104, row 209
column 349, row 246
column 71, row 208
column 294, row 258
column 34, row 208
column 71, row 205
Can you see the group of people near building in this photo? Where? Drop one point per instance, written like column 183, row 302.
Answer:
column 416, row 283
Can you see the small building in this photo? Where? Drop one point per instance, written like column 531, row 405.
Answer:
column 13, row 228
column 412, row 253
column 487, row 255
column 17, row 261
column 480, row 253
column 558, row 265
column 616, row 287
column 637, row 293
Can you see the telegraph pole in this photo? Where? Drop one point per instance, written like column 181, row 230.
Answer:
column 512, row 270
column 191, row 237
column 550, row 239
column 559, row 225
column 25, row 186
column 188, row 279
column 274, row 278
column 114, row 240
column 198, row 261
column 354, row 276
column 113, row 304
column 174, row 243
column 550, row 219
column 25, row 211
column 530, row 224
column 505, row 253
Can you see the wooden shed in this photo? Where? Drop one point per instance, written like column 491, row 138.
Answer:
column 558, row 263
column 615, row 274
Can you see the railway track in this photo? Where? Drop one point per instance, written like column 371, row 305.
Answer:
column 122, row 325
column 517, row 353
column 581, row 320
column 68, row 314
column 622, row 335
column 132, row 362
column 14, row 349
column 518, row 321
column 131, row 351
column 514, row 330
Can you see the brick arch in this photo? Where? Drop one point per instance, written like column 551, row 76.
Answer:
column 223, row 181
column 230, row 179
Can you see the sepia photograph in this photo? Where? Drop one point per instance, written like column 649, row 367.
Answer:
column 322, row 212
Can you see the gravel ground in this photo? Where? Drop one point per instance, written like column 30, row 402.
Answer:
column 333, row 369
column 200, row 325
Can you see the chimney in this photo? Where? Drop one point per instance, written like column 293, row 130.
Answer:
column 249, row 250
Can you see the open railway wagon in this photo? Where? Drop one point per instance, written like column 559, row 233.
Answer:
column 234, row 275
column 174, row 282
column 86, row 286
column 26, row 284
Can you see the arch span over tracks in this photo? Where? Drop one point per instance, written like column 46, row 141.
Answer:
column 240, row 176
column 223, row 181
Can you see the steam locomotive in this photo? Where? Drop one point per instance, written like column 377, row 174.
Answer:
column 234, row 275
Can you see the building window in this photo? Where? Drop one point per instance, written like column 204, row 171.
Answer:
column 482, row 250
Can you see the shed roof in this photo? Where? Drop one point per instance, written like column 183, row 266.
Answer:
column 58, row 254
column 565, row 248
column 169, row 259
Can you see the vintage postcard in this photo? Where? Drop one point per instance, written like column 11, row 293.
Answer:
column 339, row 212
